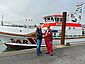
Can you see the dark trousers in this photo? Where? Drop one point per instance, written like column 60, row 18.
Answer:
column 38, row 49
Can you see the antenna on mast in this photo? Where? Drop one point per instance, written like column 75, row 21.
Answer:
column 2, row 20
column 77, row 14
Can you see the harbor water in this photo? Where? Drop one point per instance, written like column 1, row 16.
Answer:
column 3, row 48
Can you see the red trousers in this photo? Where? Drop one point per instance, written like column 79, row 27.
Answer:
column 49, row 47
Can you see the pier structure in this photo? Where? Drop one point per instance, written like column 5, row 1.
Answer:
column 62, row 55
column 63, row 28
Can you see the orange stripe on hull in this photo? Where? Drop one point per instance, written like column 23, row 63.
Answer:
column 11, row 34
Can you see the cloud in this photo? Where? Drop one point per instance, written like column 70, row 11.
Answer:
column 19, row 10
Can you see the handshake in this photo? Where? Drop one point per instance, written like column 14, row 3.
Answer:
column 51, row 42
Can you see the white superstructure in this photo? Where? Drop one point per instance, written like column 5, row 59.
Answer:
column 73, row 26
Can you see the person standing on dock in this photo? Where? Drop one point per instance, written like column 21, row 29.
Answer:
column 39, row 39
column 48, row 41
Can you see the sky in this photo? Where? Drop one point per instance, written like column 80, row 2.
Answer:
column 16, row 11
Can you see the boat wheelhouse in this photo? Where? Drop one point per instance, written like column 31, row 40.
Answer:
column 55, row 22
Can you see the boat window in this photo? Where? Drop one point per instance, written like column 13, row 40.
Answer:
column 25, row 26
column 52, row 19
column 60, row 19
column 69, row 27
column 45, row 20
column 21, row 26
column 48, row 18
column 20, row 30
column 57, row 19
column 54, row 34
column 73, row 27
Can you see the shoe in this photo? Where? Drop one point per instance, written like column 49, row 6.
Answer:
column 47, row 52
column 40, row 52
column 51, row 54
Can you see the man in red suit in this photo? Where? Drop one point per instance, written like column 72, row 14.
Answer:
column 48, row 41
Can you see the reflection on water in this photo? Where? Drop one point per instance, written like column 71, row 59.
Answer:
column 2, row 47
column 9, row 49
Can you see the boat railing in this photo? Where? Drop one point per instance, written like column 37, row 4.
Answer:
column 21, row 26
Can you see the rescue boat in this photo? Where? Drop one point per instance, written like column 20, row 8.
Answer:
column 17, row 37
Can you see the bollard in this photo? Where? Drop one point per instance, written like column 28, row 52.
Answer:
column 68, row 44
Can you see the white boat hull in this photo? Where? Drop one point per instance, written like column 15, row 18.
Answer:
column 21, row 46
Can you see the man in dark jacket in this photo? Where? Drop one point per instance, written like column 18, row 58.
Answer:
column 39, row 39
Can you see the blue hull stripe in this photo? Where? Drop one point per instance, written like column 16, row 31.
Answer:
column 54, row 30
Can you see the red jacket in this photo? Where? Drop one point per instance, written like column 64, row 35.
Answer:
column 48, row 35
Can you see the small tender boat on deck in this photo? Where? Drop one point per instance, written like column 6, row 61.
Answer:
column 21, row 46
column 30, row 42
